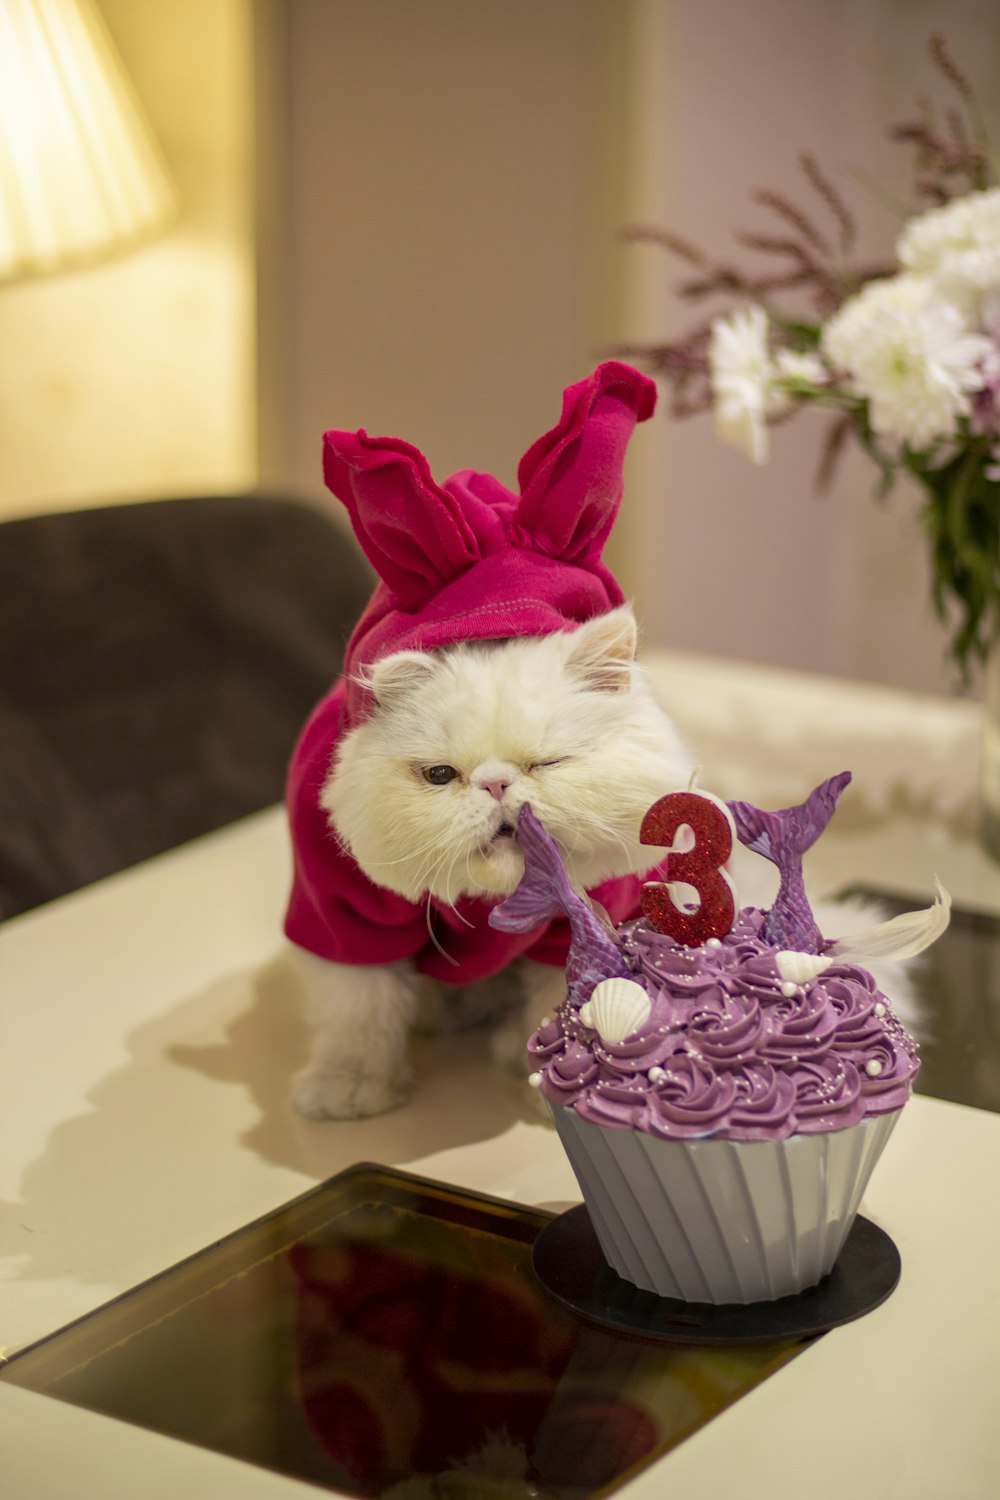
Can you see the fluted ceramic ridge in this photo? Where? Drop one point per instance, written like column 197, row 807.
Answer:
column 722, row 1221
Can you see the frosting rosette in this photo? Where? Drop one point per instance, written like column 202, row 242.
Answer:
column 827, row 1095
column 617, row 1102
column 691, row 1099
column 765, row 1102
column 859, row 1008
column 803, row 1025
column 730, row 1032
column 731, row 1049
column 886, row 1075
column 569, row 1072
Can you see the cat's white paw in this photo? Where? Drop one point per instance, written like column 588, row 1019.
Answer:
column 344, row 1093
column 361, row 1019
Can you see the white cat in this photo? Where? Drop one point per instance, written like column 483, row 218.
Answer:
column 425, row 794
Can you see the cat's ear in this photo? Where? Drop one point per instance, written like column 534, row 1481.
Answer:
column 572, row 478
column 392, row 677
column 602, row 650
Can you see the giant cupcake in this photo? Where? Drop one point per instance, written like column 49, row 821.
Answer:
column 723, row 1083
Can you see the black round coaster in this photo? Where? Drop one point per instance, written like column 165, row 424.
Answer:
column 570, row 1264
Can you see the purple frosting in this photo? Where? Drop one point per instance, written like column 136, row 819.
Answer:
column 726, row 1052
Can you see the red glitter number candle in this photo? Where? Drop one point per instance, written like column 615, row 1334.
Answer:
column 711, row 824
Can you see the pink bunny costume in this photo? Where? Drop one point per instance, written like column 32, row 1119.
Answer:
column 460, row 561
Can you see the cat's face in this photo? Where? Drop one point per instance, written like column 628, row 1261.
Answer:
column 426, row 792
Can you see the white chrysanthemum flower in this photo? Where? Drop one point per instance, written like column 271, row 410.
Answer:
column 959, row 244
column 740, row 372
column 791, row 370
column 908, row 351
column 791, row 364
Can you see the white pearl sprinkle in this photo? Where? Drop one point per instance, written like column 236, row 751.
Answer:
column 655, row 1074
column 873, row 1067
column 788, row 989
column 880, row 1010
column 545, row 1021
column 535, row 1079
column 713, row 943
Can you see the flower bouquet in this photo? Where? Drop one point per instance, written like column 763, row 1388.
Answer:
column 906, row 356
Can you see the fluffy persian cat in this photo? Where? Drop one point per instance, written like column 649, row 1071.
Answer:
column 425, row 793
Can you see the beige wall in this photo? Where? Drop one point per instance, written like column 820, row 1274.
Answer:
column 136, row 378
column 446, row 269
column 457, row 171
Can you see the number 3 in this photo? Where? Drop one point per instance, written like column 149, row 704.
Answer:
column 711, row 823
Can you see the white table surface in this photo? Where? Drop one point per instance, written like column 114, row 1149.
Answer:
column 148, row 1030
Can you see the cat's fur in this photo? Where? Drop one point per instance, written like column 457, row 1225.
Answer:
column 566, row 722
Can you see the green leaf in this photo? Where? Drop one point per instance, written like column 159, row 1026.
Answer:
column 962, row 520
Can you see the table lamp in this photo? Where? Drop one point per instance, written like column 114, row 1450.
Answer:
column 80, row 174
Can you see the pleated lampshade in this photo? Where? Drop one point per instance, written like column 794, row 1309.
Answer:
column 80, row 174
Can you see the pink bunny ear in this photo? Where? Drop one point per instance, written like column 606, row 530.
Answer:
column 413, row 533
column 571, row 479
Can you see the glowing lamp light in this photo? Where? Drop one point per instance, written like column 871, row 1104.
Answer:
column 80, row 174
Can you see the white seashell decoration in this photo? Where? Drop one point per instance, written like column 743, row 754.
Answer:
column 616, row 1008
column 799, row 968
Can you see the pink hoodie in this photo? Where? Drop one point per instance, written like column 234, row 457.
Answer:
column 464, row 560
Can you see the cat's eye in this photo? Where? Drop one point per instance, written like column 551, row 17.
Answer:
column 540, row 765
column 438, row 775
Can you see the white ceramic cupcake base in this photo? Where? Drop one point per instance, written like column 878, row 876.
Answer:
column 722, row 1221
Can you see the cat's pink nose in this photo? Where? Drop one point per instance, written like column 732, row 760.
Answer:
column 494, row 776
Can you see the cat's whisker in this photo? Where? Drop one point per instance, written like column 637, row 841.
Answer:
column 440, row 876
column 608, row 834
column 472, row 883
column 440, row 846
column 456, row 913
column 404, row 859
column 445, row 884
column 428, row 874
column 428, row 915
column 594, row 831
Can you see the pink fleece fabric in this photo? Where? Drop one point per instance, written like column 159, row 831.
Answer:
column 464, row 560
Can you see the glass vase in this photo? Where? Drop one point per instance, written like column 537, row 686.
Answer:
column 989, row 768
column 961, row 517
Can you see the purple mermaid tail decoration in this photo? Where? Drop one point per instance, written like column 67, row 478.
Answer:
column 545, row 892
column 783, row 837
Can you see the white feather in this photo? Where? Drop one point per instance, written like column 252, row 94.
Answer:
column 900, row 937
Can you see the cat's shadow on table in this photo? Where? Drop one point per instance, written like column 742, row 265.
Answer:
column 460, row 1093
column 156, row 1148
